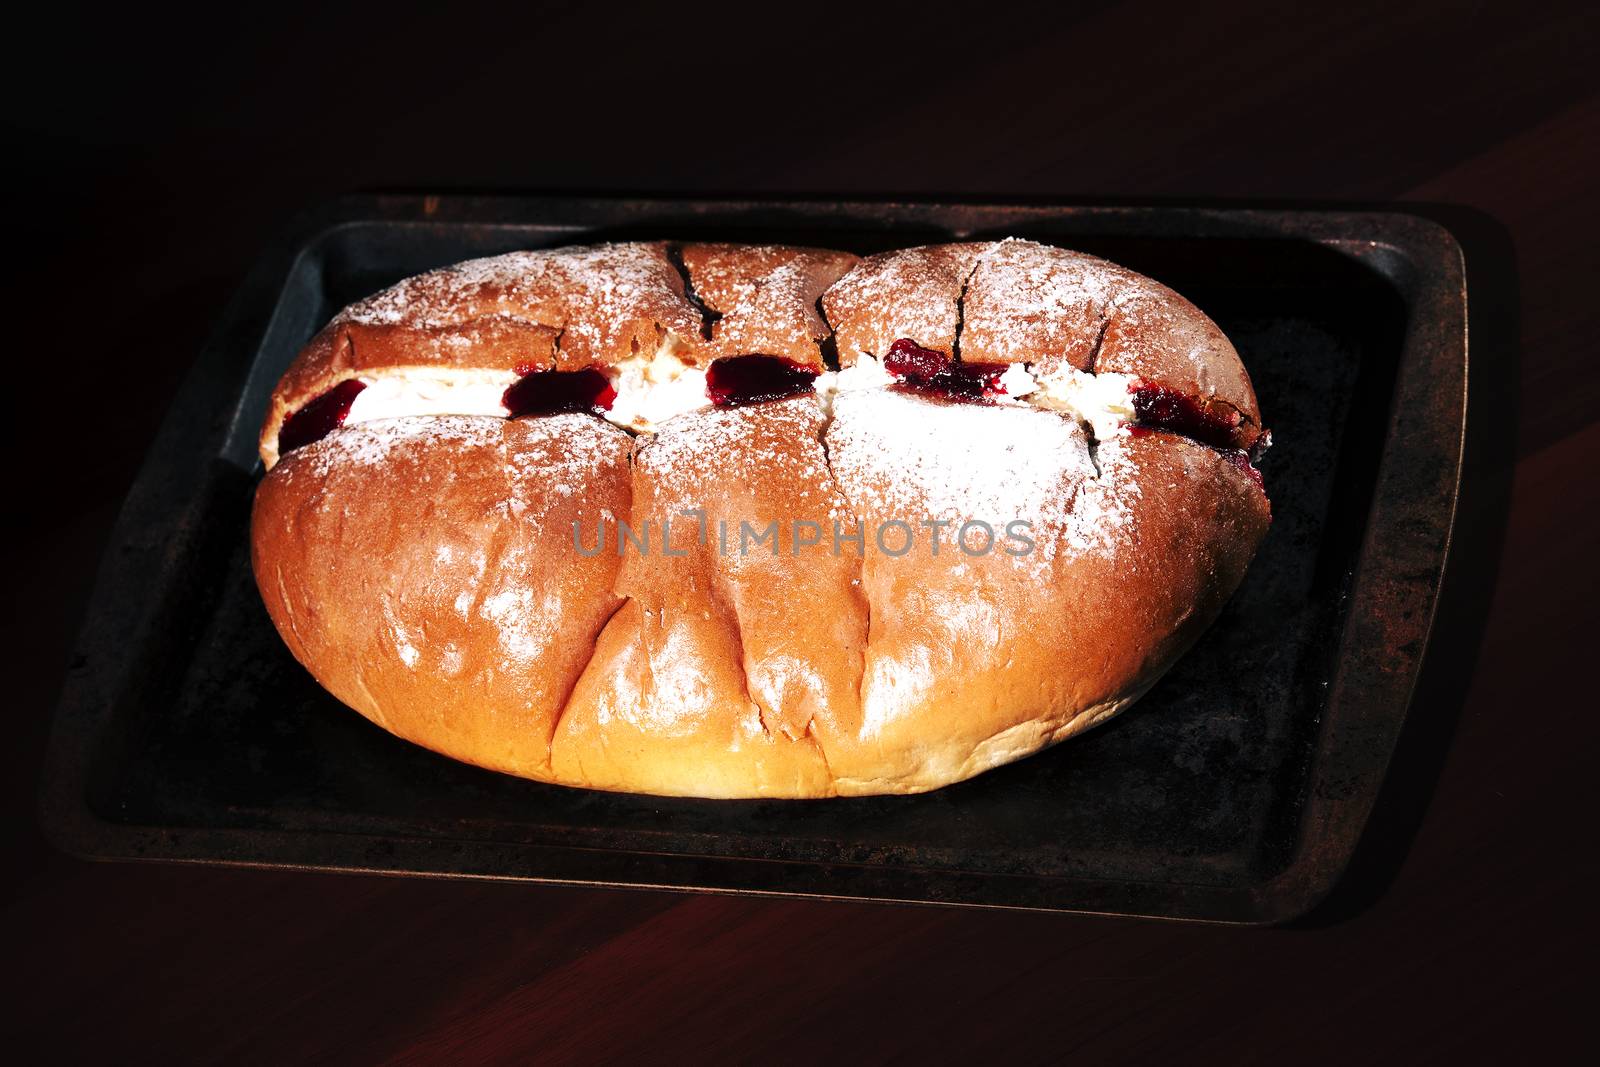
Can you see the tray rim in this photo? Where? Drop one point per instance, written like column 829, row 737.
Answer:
column 1398, row 573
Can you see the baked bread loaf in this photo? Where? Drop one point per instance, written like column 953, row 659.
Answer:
column 756, row 521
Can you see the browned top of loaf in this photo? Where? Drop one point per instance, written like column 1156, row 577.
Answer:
column 763, row 298
column 911, row 292
column 567, row 308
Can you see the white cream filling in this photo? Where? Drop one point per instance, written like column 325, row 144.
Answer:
column 651, row 391
column 1104, row 401
column 1016, row 382
column 432, row 392
column 866, row 373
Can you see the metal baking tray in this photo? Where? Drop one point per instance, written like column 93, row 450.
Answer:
column 1234, row 792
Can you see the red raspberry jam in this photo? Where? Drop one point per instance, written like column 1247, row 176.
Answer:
column 907, row 359
column 1161, row 408
column 320, row 417
column 555, row 392
column 752, row 379
column 926, row 370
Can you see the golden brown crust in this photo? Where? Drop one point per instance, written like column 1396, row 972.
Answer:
column 1159, row 336
column 977, row 659
column 424, row 568
column 763, row 298
column 739, row 654
column 910, row 292
column 1028, row 302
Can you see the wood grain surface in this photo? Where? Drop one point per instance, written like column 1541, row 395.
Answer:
column 151, row 160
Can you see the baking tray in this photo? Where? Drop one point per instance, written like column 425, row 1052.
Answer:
column 1234, row 792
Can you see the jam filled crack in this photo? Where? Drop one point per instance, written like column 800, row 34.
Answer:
column 320, row 417
column 1156, row 408
column 740, row 380
column 556, row 392
column 1214, row 423
column 932, row 373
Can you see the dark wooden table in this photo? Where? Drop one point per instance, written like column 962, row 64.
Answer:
column 147, row 169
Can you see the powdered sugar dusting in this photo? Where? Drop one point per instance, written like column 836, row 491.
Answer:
column 764, row 297
column 901, row 456
column 582, row 441
column 370, row 444
column 746, row 445
column 764, row 313
column 598, row 295
column 517, row 486
column 953, row 460
column 1104, row 511
column 525, row 621
column 401, row 635
column 582, row 446
column 1026, row 301
column 907, row 293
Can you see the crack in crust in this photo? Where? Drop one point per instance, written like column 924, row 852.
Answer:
column 1090, row 364
column 765, row 298
column 566, row 700
column 961, row 310
column 707, row 316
